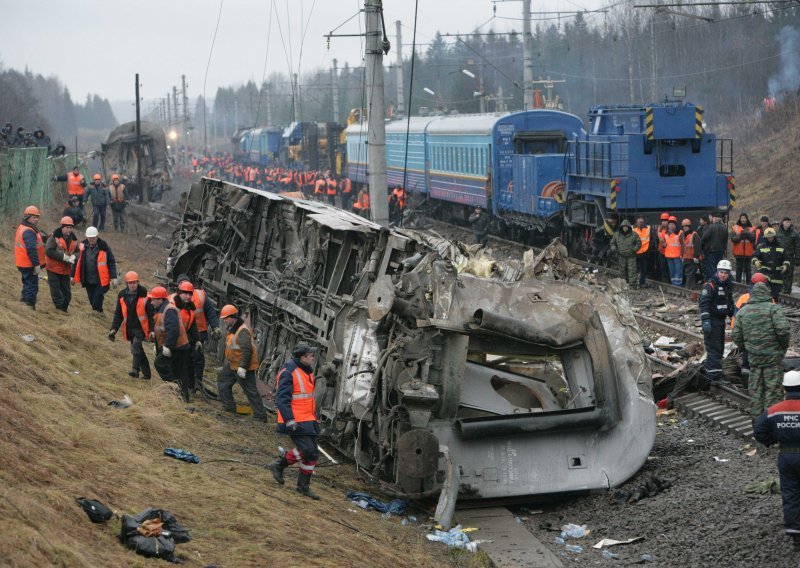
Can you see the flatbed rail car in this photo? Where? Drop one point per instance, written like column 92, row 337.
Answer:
column 536, row 386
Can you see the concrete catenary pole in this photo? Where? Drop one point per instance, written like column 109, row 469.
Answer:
column 139, row 179
column 376, row 129
column 398, row 47
column 335, row 91
column 527, row 46
column 268, row 95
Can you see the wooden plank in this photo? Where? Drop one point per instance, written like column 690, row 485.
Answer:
column 512, row 546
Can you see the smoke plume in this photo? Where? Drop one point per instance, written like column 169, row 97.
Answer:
column 787, row 80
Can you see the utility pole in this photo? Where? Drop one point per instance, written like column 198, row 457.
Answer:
column 139, row 179
column 175, row 104
column 267, row 90
column 527, row 47
column 376, row 129
column 335, row 91
column 235, row 115
column 185, row 99
column 398, row 46
column 169, row 112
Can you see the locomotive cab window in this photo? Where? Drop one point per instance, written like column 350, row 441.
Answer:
column 540, row 142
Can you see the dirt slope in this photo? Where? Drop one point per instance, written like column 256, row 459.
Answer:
column 59, row 440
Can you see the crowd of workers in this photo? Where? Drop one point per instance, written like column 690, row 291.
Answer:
column 20, row 138
column 101, row 195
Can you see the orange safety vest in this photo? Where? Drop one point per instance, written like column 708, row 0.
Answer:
column 346, row 186
column 74, row 186
column 21, row 253
column 141, row 313
column 117, row 193
column 400, row 195
column 743, row 299
column 743, row 247
column 311, row 177
column 688, row 246
column 199, row 299
column 320, row 187
column 303, row 405
column 161, row 331
column 363, row 201
column 644, row 235
column 102, row 267
column 673, row 245
column 331, row 186
column 661, row 233
column 233, row 352
column 298, row 179
column 59, row 266
column 187, row 316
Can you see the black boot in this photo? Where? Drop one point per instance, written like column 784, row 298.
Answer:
column 303, row 482
column 277, row 468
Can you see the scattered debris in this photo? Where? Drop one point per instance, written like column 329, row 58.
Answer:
column 573, row 548
column 571, row 530
column 126, row 402
column 182, row 455
column 649, row 486
column 764, row 487
column 27, row 337
column 95, row 510
column 153, row 533
column 721, row 460
column 455, row 538
column 608, row 554
column 366, row 501
column 611, row 542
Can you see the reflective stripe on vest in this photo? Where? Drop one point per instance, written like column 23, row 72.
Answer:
column 688, row 246
column 21, row 252
column 644, row 235
column 117, row 193
column 102, row 266
column 161, row 331
column 141, row 314
column 673, row 245
column 59, row 266
column 743, row 247
column 74, row 186
column 303, row 404
column 233, row 351
column 199, row 299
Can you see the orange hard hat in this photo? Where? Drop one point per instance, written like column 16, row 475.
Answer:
column 115, row 176
column 159, row 292
column 97, row 177
column 686, row 222
column 759, row 277
column 31, row 210
column 665, row 216
column 185, row 286
column 673, row 219
column 131, row 276
column 67, row 221
column 228, row 311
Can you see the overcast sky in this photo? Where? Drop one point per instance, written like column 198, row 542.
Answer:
column 96, row 46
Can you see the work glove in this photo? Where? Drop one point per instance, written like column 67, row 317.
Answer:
column 198, row 346
column 757, row 263
column 783, row 268
column 241, row 372
column 291, row 425
column 216, row 333
column 55, row 178
column 70, row 259
column 114, row 282
column 167, row 353
column 697, row 261
column 72, row 281
column 152, row 336
column 112, row 335
column 37, row 270
column 706, row 326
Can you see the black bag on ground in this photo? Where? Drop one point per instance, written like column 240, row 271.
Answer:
column 155, row 545
column 97, row 512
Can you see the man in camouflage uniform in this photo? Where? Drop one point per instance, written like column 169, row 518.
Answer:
column 763, row 331
column 624, row 244
column 789, row 241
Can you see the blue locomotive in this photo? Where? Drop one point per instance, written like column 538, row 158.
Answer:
column 540, row 172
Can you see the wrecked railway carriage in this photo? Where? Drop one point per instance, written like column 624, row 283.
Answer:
column 535, row 385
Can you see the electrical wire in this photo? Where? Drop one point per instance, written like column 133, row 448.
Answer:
column 263, row 77
column 205, row 78
column 410, row 90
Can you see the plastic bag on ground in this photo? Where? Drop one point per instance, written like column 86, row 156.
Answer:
column 454, row 538
column 574, row 531
column 365, row 501
column 182, row 455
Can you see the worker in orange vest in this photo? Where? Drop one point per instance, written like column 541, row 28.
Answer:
column 397, row 204
column 691, row 254
column 346, row 190
column 29, row 254
column 96, row 269
column 661, row 267
column 172, row 341
column 743, row 239
column 135, row 315
column 241, row 364
column 206, row 319
column 672, row 243
column 183, row 299
column 119, row 202
column 76, row 184
column 320, row 188
column 297, row 417
column 60, row 256
column 646, row 237
column 332, row 189
column 361, row 205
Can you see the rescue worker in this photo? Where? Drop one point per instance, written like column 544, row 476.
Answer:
column 297, row 417
column 743, row 239
column 118, row 203
column 780, row 424
column 714, row 243
column 646, row 237
column 716, row 304
column 702, row 225
column 332, row 189
column 672, row 243
column 362, row 202
column 624, row 244
column 741, row 302
column 661, row 266
column 74, row 210
column 183, row 300
column 29, row 254
column 205, row 318
column 135, row 314
column 480, row 226
column 172, row 341
column 691, row 253
column 770, row 259
column 96, row 269
column 76, row 184
column 241, row 364
column 320, row 188
column 100, row 197
column 60, row 256
column 789, row 240
column 763, row 331
column 346, row 187
column 397, row 204
column 760, row 230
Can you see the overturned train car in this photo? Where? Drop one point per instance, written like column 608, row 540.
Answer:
column 534, row 383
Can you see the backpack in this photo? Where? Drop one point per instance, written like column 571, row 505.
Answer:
column 97, row 512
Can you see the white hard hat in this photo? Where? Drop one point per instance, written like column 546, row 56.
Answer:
column 791, row 379
column 91, row 232
column 724, row 265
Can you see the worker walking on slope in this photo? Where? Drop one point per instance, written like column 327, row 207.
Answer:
column 716, row 304
column 761, row 328
column 96, row 269
column 76, row 184
column 29, row 255
column 297, row 417
column 205, row 318
column 119, row 201
column 183, row 300
column 241, row 364
column 779, row 425
column 625, row 243
column 172, row 341
column 135, row 314
column 60, row 251
column 99, row 196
